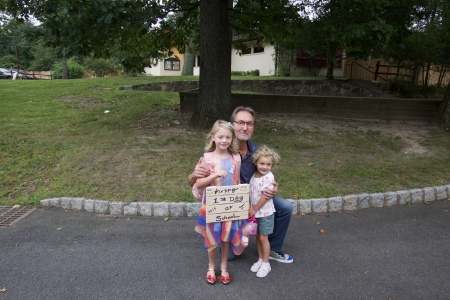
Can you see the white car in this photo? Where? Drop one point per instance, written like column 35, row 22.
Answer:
column 5, row 73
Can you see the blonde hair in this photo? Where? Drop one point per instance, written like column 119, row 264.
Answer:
column 211, row 145
column 265, row 152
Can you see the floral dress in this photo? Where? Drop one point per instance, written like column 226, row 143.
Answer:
column 227, row 231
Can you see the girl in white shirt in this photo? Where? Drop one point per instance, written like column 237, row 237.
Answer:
column 261, row 207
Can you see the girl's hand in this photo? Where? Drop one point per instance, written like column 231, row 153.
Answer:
column 221, row 173
column 251, row 212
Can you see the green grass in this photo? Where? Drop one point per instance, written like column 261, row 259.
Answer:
column 56, row 140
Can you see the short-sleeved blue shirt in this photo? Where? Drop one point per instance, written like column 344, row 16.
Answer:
column 248, row 168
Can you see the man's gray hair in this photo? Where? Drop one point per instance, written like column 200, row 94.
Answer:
column 242, row 108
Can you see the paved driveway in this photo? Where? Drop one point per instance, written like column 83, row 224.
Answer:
column 378, row 253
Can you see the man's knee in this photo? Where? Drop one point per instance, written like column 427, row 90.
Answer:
column 283, row 206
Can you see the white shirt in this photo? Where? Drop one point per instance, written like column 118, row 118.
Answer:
column 257, row 186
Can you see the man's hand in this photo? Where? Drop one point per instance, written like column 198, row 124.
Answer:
column 271, row 191
column 200, row 171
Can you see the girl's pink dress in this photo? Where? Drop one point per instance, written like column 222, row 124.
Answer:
column 227, row 231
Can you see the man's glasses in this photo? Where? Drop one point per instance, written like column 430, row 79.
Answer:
column 242, row 124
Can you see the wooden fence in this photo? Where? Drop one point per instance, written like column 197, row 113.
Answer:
column 41, row 74
column 381, row 70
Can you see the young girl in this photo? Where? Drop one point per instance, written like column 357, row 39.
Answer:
column 224, row 171
column 263, row 208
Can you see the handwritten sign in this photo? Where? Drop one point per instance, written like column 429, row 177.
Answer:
column 227, row 203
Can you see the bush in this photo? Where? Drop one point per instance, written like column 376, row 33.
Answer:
column 74, row 70
column 245, row 73
column 99, row 66
column 8, row 61
column 407, row 89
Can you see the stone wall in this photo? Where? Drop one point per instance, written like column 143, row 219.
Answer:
column 277, row 87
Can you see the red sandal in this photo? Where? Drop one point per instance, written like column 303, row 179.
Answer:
column 211, row 279
column 225, row 279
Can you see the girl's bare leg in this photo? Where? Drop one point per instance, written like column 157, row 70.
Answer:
column 264, row 246
column 225, row 275
column 259, row 246
column 225, row 249
column 212, row 262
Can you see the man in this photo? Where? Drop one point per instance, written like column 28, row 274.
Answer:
column 243, row 120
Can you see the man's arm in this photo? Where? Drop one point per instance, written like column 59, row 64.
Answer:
column 200, row 171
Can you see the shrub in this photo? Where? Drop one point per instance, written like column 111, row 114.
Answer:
column 74, row 70
column 407, row 89
column 245, row 73
column 8, row 61
column 99, row 66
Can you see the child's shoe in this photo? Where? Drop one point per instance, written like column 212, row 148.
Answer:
column 263, row 270
column 256, row 266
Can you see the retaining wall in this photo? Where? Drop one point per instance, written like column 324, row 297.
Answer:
column 422, row 110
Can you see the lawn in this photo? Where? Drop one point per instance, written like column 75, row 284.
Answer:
column 86, row 138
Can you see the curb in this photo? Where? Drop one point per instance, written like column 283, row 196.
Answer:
column 300, row 207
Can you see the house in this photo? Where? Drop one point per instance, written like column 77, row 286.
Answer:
column 252, row 56
column 170, row 66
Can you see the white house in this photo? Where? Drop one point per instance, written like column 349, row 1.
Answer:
column 255, row 57
column 170, row 66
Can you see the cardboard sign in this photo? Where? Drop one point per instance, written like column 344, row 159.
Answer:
column 227, row 203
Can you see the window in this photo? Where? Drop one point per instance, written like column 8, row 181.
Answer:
column 172, row 64
column 246, row 50
column 258, row 49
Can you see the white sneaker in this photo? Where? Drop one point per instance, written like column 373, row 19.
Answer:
column 255, row 266
column 263, row 271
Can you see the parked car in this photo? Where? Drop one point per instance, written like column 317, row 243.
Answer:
column 5, row 73
column 22, row 74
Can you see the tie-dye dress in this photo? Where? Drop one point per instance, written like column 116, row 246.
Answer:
column 227, row 231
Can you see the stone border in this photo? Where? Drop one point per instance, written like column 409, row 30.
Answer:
column 300, row 207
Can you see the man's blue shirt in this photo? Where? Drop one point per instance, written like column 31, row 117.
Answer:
column 248, row 168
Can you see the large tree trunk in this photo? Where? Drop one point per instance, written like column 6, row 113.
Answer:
column 64, row 71
column 189, row 59
column 214, row 99
column 188, row 64
column 330, row 70
column 444, row 111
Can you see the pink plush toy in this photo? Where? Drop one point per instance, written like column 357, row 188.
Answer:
column 250, row 229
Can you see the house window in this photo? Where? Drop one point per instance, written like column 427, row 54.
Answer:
column 246, row 50
column 258, row 49
column 172, row 64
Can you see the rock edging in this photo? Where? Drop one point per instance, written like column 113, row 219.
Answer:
column 300, row 207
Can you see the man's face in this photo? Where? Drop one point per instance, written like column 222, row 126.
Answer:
column 244, row 125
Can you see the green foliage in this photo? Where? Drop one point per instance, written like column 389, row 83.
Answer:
column 45, row 57
column 407, row 89
column 74, row 69
column 245, row 73
column 8, row 61
column 99, row 66
column 17, row 37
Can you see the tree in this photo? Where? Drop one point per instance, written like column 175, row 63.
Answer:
column 352, row 25
column 82, row 27
column 424, row 42
column 215, row 72
column 17, row 43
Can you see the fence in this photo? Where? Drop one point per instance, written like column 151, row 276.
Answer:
column 42, row 74
column 381, row 70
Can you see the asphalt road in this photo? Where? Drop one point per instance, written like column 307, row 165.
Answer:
column 379, row 253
